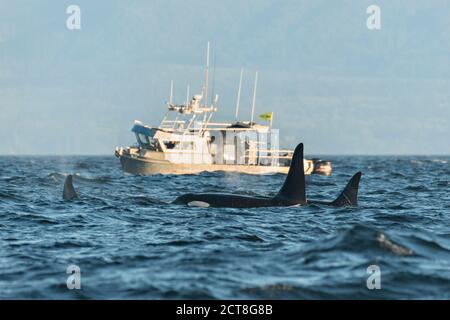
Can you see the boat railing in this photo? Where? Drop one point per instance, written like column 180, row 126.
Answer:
column 254, row 154
column 272, row 150
column 217, row 124
column 179, row 151
column 189, row 126
column 170, row 123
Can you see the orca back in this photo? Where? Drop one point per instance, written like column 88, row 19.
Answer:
column 69, row 191
column 349, row 196
column 293, row 190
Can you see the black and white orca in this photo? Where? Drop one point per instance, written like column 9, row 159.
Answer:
column 293, row 192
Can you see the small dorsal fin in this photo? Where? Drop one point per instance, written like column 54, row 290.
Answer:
column 349, row 196
column 69, row 192
column 293, row 189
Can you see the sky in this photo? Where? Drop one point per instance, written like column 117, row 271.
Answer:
column 331, row 82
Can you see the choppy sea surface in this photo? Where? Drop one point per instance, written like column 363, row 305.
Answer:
column 131, row 243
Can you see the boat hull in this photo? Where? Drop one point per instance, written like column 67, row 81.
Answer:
column 141, row 165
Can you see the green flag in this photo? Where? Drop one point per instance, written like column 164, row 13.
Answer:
column 267, row 116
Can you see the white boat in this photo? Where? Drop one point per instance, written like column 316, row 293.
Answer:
column 187, row 142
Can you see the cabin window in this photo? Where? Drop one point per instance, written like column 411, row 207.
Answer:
column 187, row 145
column 229, row 152
column 213, row 149
column 154, row 145
column 142, row 139
column 170, row 144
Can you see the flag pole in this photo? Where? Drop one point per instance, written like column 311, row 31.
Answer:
column 206, row 76
column 254, row 97
column 187, row 96
column 239, row 94
column 171, row 92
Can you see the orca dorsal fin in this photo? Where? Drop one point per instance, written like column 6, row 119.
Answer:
column 349, row 196
column 293, row 190
column 69, row 192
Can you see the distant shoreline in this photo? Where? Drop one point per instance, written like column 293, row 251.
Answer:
column 308, row 155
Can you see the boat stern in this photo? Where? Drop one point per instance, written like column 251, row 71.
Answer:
column 322, row 167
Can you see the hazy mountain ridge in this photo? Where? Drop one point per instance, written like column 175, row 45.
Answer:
column 332, row 83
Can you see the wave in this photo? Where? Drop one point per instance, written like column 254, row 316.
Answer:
column 249, row 237
column 440, row 161
column 388, row 244
column 395, row 174
column 417, row 188
column 31, row 218
column 84, row 165
column 7, row 196
column 12, row 179
column 429, row 161
column 400, row 218
column 371, row 240
column 142, row 200
column 175, row 243
column 60, row 177
column 98, row 179
column 360, row 238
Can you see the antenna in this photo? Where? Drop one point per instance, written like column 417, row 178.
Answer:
column 213, row 79
column 254, row 96
column 206, row 75
column 187, row 96
column 171, row 92
column 239, row 94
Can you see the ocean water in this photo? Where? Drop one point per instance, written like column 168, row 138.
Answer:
column 131, row 243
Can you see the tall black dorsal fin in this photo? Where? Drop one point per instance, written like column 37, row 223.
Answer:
column 293, row 189
column 69, row 192
column 349, row 196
